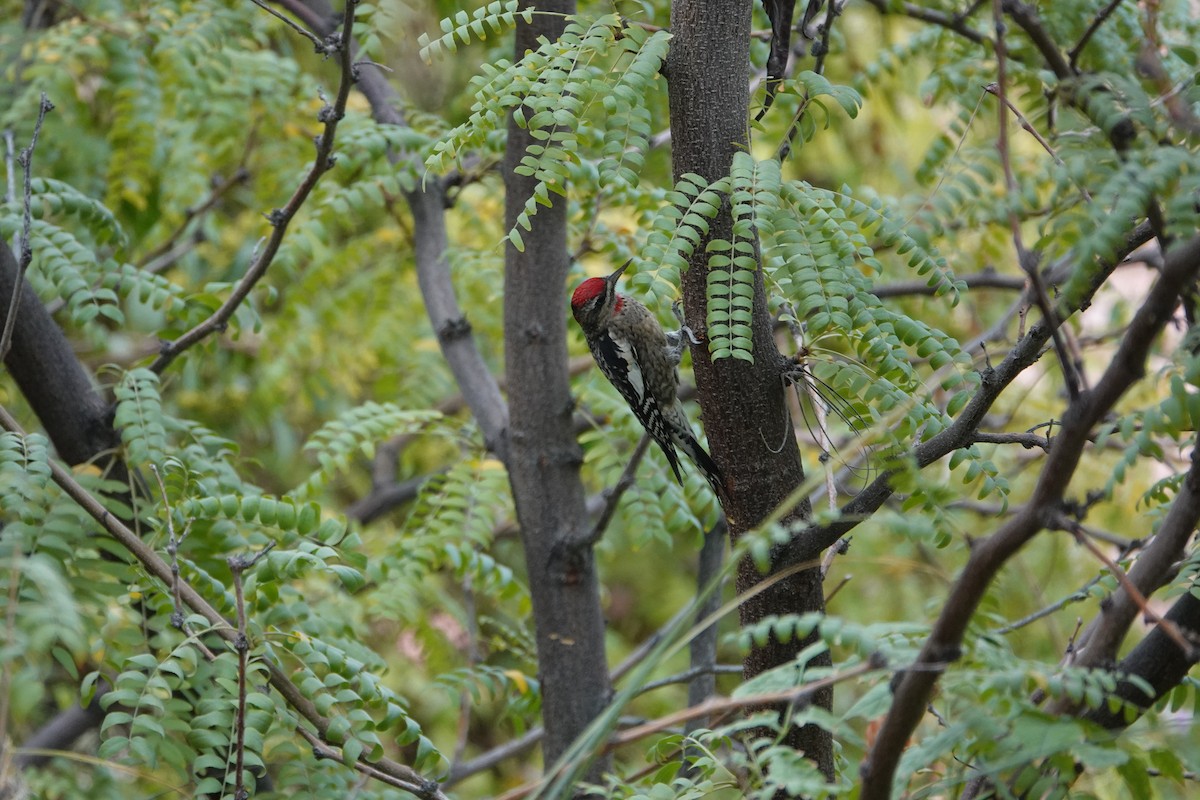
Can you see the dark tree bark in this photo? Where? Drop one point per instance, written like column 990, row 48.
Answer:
column 745, row 415
column 544, row 457
column 1158, row 660
column 78, row 422
column 53, row 382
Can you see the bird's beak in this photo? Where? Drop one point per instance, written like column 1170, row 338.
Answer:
column 616, row 275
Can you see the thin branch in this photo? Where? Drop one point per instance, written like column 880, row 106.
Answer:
column 10, row 628
column 421, row 788
column 280, row 218
column 694, row 672
column 1025, row 15
column 988, row 279
column 911, row 692
column 1023, row 121
column 1075, row 597
column 178, row 617
column 719, row 705
column 26, row 250
column 1026, row 440
column 821, row 50
column 1081, row 536
column 714, row 707
column 1027, row 259
column 173, row 242
column 647, row 646
column 238, row 565
column 1153, row 568
column 323, row 46
column 471, row 626
column 494, row 756
column 702, row 649
column 157, row 568
column 10, row 172
column 951, row 22
column 1100, row 19
column 613, row 496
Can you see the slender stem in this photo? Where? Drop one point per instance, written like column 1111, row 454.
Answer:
column 1100, row 19
column 26, row 250
column 172, row 242
column 718, row 705
column 1169, row 628
column 238, row 565
column 1027, row 259
column 614, row 495
column 951, row 22
column 325, row 47
column 280, row 218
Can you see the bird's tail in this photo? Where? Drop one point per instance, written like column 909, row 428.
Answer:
column 685, row 440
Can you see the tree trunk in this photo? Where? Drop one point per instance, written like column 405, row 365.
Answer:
column 743, row 404
column 544, row 457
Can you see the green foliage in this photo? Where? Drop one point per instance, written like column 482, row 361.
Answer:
column 180, row 124
column 496, row 16
column 554, row 91
column 357, row 432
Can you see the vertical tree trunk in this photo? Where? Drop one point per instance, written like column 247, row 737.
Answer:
column 745, row 415
column 544, row 457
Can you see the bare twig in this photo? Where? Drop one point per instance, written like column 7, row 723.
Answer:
column 1027, row 126
column 471, row 625
column 832, row 9
column 10, row 628
column 10, row 172
column 1100, row 18
column 987, row 279
column 951, row 22
column 25, row 254
column 613, row 498
column 702, row 649
column 178, row 617
column 719, row 705
column 840, row 585
column 1027, row 259
column 238, row 565
column 173, row 242
column 1075, row 597
column 280, row 218
column 323, row 46
column 1026, row 440
column 694, row 672
column 1169, row 628
column 421, row 788
column 494, row 756
column 1153, row 569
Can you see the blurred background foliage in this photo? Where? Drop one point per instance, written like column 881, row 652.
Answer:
column 178, row 125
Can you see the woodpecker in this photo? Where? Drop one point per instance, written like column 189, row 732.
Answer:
column 641, row 360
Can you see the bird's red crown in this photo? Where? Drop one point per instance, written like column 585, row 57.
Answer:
column 585, row 291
